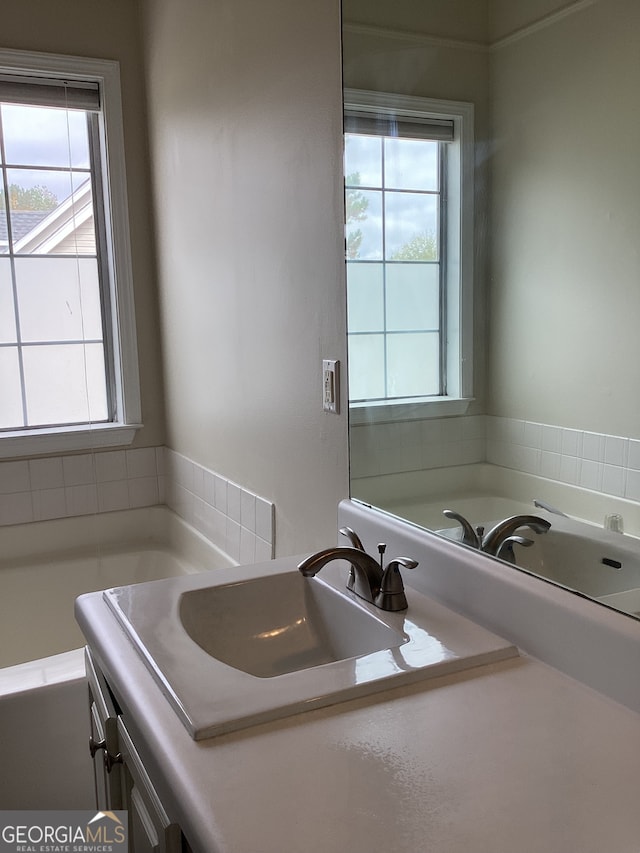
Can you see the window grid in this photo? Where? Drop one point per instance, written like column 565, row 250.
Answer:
column 20, row 345
column 388, row 262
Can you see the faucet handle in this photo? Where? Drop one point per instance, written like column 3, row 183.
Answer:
column 506, row 552
column 353, row 537
column 392, row 595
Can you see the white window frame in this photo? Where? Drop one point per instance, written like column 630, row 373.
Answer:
column 459, row 277
column 122, row 430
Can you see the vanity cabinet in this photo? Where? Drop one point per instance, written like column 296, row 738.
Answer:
column 121, row 781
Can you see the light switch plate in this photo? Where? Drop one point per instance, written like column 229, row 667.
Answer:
column 330, row 385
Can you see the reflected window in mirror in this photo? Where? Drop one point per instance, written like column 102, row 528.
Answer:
column 409, row 239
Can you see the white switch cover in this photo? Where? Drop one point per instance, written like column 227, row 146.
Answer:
column 330, row 385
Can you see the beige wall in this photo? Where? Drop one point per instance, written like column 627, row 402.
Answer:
column 245, row 130
column 109, row 30
column 453, row 19
column 565, row 294
column 509, row 16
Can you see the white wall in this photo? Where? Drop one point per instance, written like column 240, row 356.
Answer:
column 245, row 129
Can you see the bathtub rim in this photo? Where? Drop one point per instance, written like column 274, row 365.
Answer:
column 122, row 529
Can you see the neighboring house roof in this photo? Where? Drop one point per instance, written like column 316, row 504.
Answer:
column 52, row 232
column 22, row 221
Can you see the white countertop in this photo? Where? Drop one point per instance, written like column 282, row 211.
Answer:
column 512, row 757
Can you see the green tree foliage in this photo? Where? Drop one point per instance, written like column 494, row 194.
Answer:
column 31, row 198
column 422, row 247
column 356, row 211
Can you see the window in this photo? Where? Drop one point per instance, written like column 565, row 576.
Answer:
column 68, row 362
column 409, row 250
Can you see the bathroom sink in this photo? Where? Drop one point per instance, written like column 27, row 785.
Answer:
column 234, row 647
column 269, row 626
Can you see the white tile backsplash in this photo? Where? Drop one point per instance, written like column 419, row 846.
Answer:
column 571, row 442
column 46, row 473
column 16, row 508
column 233, row 518
column 264, row 520
column 233, row 501
column 14, row 478
column 632, row 488
column 634, row 454
column 593, row 446
column 143, row 491
column 551, row 438
column 111, row 466
column 47, row 504
column 141, row 462
column 220, row 486
column 594, row 461
column 616, row 450
column 81, row 499
column 79, row 470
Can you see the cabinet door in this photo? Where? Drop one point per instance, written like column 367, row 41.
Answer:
column 150, row 830
column 103, row 745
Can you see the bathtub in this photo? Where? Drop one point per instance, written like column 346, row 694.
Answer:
column 588, row 559
column 43, row 568
column 574, row 553
column 577, row 553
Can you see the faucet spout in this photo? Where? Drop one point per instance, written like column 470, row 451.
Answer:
column 497, row 536
column 368, row 574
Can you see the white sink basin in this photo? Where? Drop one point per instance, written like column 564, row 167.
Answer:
column 235, row 647
column 269, row 626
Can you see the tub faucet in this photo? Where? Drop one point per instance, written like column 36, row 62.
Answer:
column 494, row 540
column 470, row 536
column 384, row 588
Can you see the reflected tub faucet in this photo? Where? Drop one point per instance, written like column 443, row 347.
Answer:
column 470, row 536
column 499, row 541
column 499, row 535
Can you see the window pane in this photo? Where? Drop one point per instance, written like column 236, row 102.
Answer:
column 7, row 313
column 411, row 164
column 11, row 399
column 363, row 160
column 411, row 226
column 364, row 225
column 65, row 384
column 43, row 218
column 4, row 234
column 366, row 367
column 413, row 364
column 365, row 297
column 43, row 136
column 58, row 299
column 413, row 297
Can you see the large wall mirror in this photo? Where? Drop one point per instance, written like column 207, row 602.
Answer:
column 493, row 254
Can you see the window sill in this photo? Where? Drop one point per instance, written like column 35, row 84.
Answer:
column 65, row 439
column 410, row 410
